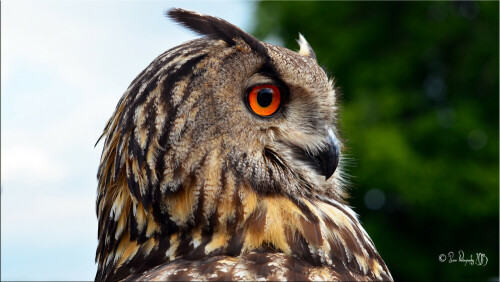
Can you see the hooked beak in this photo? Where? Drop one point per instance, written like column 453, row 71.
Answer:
column 326, row 161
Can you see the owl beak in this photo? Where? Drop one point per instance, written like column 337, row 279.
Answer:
column 326, row 161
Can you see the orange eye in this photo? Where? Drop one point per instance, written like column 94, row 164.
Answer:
column 265, row 99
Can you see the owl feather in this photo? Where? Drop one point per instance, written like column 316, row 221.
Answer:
column 196, row 184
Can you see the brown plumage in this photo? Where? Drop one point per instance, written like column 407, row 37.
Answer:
column 194, row 184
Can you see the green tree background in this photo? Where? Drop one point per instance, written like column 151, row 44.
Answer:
column 419, row 84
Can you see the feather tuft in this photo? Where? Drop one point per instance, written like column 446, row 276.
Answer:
column 215, row 28
column 305, row 49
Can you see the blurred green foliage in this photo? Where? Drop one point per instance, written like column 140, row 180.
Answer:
column 419, row 84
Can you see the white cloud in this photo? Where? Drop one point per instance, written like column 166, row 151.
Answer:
column 71, row 217
column 20, row 161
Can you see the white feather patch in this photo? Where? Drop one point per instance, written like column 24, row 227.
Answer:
column 305, row 48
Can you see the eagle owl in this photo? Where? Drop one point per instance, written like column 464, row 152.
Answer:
column 221, row 162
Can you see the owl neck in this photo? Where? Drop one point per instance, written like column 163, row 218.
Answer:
column 195, row 223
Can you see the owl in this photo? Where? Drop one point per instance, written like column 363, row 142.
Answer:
column 222, row 161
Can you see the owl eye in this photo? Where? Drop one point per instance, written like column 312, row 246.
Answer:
column 264, row 100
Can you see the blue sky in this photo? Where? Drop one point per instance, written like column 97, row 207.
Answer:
column 64, row 66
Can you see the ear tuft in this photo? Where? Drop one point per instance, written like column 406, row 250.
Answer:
column 305, row 48
column 215, row 28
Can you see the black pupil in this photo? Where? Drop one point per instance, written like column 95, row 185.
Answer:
column 265, row 97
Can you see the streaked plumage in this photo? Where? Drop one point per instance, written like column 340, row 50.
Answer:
column 194, row 186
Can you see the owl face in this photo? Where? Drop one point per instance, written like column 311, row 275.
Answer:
column 280, row 105
column 222, row 147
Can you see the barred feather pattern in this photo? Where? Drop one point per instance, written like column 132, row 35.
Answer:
column 192, row 186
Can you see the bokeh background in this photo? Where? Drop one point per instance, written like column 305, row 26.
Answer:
column 420, row 117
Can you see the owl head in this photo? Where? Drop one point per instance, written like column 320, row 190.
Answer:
column 223, row 145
